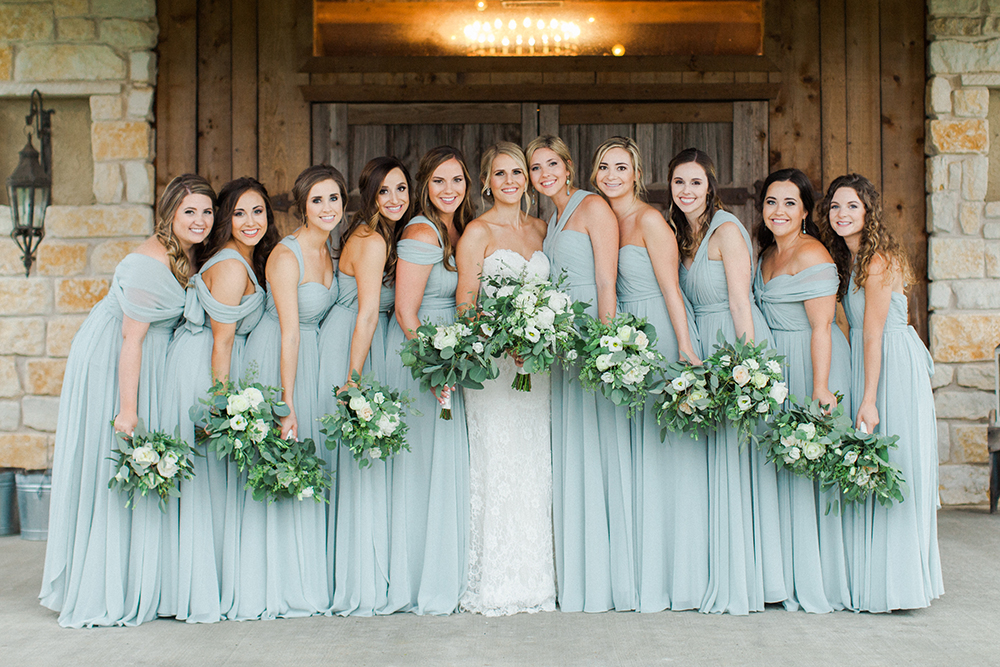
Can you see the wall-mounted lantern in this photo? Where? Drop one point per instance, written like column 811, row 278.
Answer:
column 29, row 188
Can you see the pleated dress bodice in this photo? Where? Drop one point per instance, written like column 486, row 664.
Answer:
column 572, row 253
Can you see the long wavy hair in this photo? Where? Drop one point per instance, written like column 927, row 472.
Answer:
column 630, row 147
column 465, row 213
column 511, row 150
column 875, row 236
column 689, row 238
column 309, row 177
column 765, row 239
column 557, row 146
column 369, row 216
column 222, row 230
column 170, row 202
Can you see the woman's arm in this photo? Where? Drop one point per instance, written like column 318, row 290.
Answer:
column 367, row 263
column 661, row 245
column 227, row 281
column 411, row 280
column 878, row 295
column 821, row 312
column 602, row 226
column 129, row 364
column 736, row 262
column 469, row 257
column 283, row 276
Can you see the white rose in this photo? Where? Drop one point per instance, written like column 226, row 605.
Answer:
column 444, row 338
column 237, row 403
column 167, row 465
column 145, row 456
column 259, row 431
column 751, row 364
column 532, row 334
column 374, row 453
column 625, row 332
column 779, row 392
column 850, row 458
column 641, row 340
column 685, row 407
column 794, row 453
column 813, row 450
column 633, row 376
column 305, row 493
column 725, row 360
column 463, row 330
column 571, row 355
column 505, row 291
column 545, row 318
column 763, row 407
column 238, row 423
column 808, row 430
column 759, row 380
column 607, row 378
column 680, row 383
column 698, row 395
column 557, row 301
column 862, row 478
column 743, row 403
column 526, row 301
column 253, row 396
column 741, row 375
column 603, row 362
column 378, row 398
column 774, row 367
column 366, row 413
column 237, row 443
column 478, row 347
column 787, row 441
column 386, row 426
column 357, row 402
column 347, row 428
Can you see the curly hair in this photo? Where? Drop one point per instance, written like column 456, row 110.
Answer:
column 629, row 146
column 689, row 238
column 765, row 238
column 222, row 230
column 170, row 202
column 429, row 163
column 875, row 236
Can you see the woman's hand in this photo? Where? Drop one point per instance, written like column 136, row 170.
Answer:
column 125, row 422
column 867, row 417
column 290, row 426
column 826, row 398
column 690, row 357
column 442, row 394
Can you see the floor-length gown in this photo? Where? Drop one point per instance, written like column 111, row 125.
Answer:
column 745, row 568
column 90, row 576
column 670, row 477
column 199, row 550
column 429, row 508
column 591, row 458
column 511, row 566
column 812, row 540
column 893, row 556
column 358, row 529
column 282, row 552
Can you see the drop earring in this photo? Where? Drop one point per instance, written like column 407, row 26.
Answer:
column 804, row 226
column 489, row 192
column 567, row 186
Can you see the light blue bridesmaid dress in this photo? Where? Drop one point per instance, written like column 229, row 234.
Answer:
column 358, row 532
column 282, row 547
column 670, row 478
column 592, row 512
column 96, row 572
column 745, row 569
column 198, row 550
column 892, row 551
column 429, row 507
column 812, row 541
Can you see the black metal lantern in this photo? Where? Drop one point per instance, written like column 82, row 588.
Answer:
column 30, row 186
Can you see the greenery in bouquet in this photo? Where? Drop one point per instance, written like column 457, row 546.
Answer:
column 448, row 355
column 684, row 402
column 618, row 357
column 532, row 320
column 288, row 469
column 368, row 421
column 148, row 461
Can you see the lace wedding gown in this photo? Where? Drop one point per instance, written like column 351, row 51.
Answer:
column 511, row 564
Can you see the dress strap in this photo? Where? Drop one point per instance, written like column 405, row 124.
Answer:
column 229, row 253
column 718, row 219
column 292, row 244
column 556, row 225
column 418, row 252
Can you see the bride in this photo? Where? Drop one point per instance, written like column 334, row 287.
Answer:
column 511, row 564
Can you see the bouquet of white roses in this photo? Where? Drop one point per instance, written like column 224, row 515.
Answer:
column 443, row 356
column 368, row 420
column 618, row 357
column 288, row 469
column 150, row 462
column 684, row 402
column 530, row 319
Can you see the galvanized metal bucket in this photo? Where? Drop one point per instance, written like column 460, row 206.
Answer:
column 33, row 492
column 8, row 502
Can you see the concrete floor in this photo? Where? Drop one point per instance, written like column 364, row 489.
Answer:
column 959, row 629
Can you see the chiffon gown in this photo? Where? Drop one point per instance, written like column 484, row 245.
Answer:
column 745, row 569
column 199, row 549
column 429, row 508
column 358, row 531
column 812, row 540
column 99, row 567
column 893, row 555
column 511, row 567
column 282, row 545
column 670, row 478
column 591, row 459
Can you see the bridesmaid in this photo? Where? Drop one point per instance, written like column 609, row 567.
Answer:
column 716, row 271
column 796, row 289
column 282, row 561
column 670, row 479
column 115, row 371
column 352, row 339
column 892, row 551
column 429, row 508
column 224, row 303
column 591, row 456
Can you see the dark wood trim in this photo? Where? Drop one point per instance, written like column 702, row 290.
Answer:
column 646, row 112
column 433, row 113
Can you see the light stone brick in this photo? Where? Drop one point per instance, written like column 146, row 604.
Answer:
column 108, row 184
column 972, row 102
column 62, row 62
column 5, row 223
column 10, row 383
column 105, row 107
column 957, row 26
column 140, row 103
column 992, row 209
column 71, row 7
column 75, row 30
column 24, row 450
column 943, row 376
column 120, row 140
column 139, row 176
column 955, row 258
column 10, row 415
column 25, row 23
column 59, row 334
column 969, row 217
column 993, row 6
column 991, row 230
column 43, row 377
column 60, row 258
column 90, row 221
column 6, row 63
column 128, row 35
column 130, row 9
column 942, row 212
column 991, row 26
column 22, row 335
column 964, row 484
column 78, row 295
column 977, row 294
column 989, row 80
column 939, row 95
column 968, row 443
column 938, row 295
column 11, row 262
column 957, row 136
column 25, row 296
column 963, row 337
column 954, row 57
column 992, row 256
column 107, row 255
column 975, row 177
column 936, row 178
column 142, row 66
column 40, row 412
column 943, row 442
column 952, row 7
column 953, row 404
column 955, row 175
column 977, row 376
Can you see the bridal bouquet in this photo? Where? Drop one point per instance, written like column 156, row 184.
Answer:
column 808, row 441
column 444, row 356
column 618, row 356
column 150, row 462
column 287, row 469
column 745, row 382
column 685, row 402
column 533, row 320
column 368, row 420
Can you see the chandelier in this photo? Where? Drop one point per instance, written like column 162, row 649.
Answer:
column 523, row 29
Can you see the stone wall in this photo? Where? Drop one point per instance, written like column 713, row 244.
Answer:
column 964, row 249
column 100, row 50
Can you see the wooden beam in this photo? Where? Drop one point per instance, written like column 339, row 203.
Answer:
column 244, row 84
column 864, row 141
column 432, row 114
column 751, row 147
column 646, row 112
column 177, row 91
column 833, row 90
column 215, row 133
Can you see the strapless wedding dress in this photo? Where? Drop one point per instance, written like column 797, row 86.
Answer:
column 511, row 562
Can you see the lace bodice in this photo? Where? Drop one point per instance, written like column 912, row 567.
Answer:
column 510, row 264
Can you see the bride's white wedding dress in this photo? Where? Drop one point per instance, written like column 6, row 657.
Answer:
column 511, row 563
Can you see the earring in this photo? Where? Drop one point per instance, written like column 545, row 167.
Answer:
column 804, row 226
column 567, row 186
column 489, row 192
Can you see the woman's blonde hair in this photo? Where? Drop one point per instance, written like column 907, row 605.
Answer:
column 170, row 202
column 512, row 151
column 557, row 146
column 630, row 147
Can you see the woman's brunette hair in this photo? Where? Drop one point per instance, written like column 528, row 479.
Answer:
column 465, row 213
column 222, row 230
column 765, row 238
column 170, row 202
column 309, row 177
column 689, row 238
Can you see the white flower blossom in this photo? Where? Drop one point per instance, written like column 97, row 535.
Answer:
column 571, row 355
column 603, row 362
column 167, row 466
column 751, row 364
column 774, row 367
column 254, row 396
column 850, row 458
column 545, row 318
column 378, row 398
column 680, row 383
column 305, row 493
column 725, row 360
column 743, row 402
column 478, row 347
column 641, row 340
column 759, row 380
column 505, row 291
column 238, row 423
column 607, row 377
column 779, row 392
column 625, row 332
column 259, row 431
column 532, row 334
column 237, row 403
column 808, row 430
column 145, row 456
column 812, row 450
column 486, row 329
column 741, row 375
column 794, row 453
column 366, row 413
